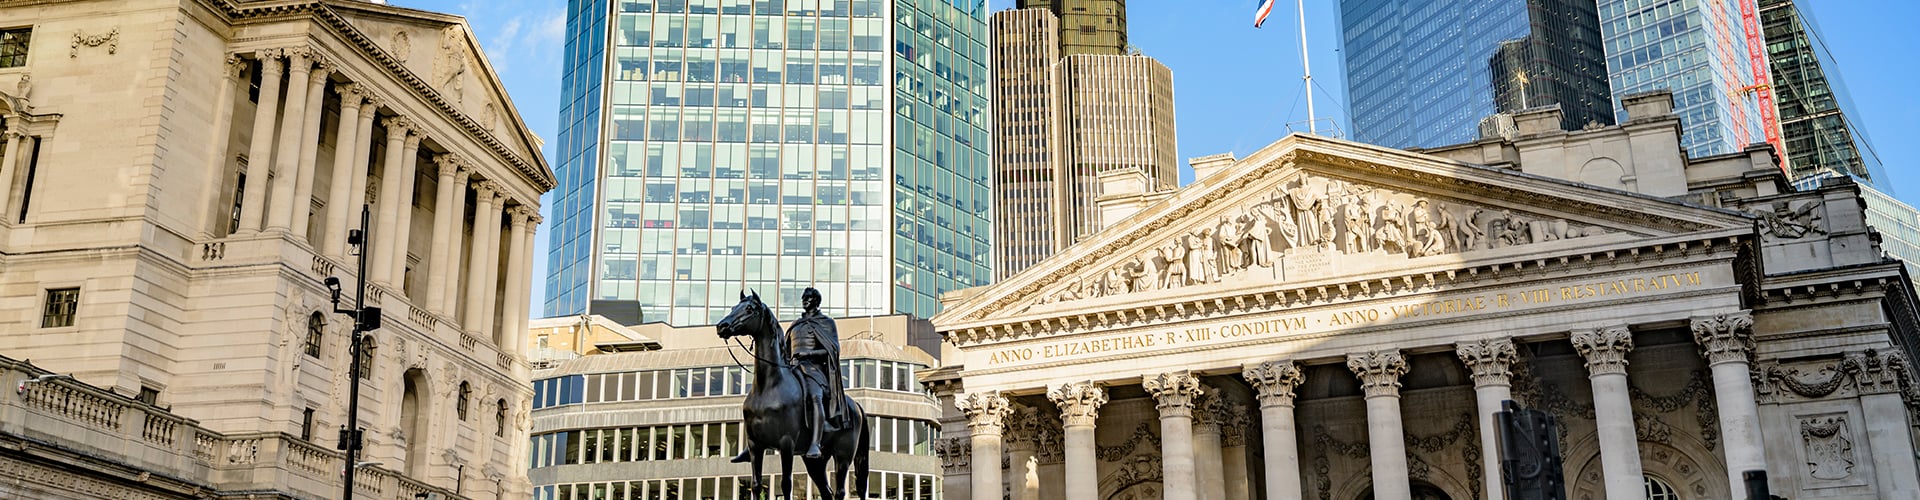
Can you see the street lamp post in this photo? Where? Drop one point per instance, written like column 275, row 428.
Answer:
column 365, row 320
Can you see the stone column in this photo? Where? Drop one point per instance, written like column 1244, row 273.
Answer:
column 1606, row 352
column 1233, row 452
column 218, row 149
column 1491, row 361
column 449, row 166
column 346, row 140
column 490, row 264
column 1022, row 440
column 483, row 210
column 1207, row 413
column 1273, row 384
column 286, row 162
column 450, row 298
column 1050, row 459
column 1728, row 341
column 390, row 204
column 403, row 212
column 362, row 162
column 511, row 333
column 253, row 197
column 16, row 138
column 1882, row 377
column 1080, row 404
column 1174, row 394
column 986, row 414
column 522, row 308
column 1379, row 373
column 309, row 148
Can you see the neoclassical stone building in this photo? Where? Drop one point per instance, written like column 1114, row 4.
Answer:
column 179, row 176
column 1332, row 320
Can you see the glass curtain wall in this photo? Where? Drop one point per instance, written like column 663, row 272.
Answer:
column 1698, row 50
column 570, row 260
column 941, row 164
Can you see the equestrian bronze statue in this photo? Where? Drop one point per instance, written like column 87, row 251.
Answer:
column 797, row 405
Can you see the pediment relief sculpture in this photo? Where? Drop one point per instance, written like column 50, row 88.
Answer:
column 1311, row 227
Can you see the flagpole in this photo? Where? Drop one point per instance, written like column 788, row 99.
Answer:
column 1307, row 69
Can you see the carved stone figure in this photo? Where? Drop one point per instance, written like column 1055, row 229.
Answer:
column 1428, row 237
column 1788, row 223
column 1142, row 275
column 1359, row 223
column 451, row 67
column 1115, row 283
column 1281, row 213
column 1510, row 230
column 1230, row 249
column 1201, row 257
column 1471, row 230
column 1391, row 236
column 1175, row 253
column 1301, row 206
column 1260, row 236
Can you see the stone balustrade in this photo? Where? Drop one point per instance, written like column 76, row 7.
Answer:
column 60, row 413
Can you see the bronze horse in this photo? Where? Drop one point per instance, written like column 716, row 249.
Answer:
column 776, row 411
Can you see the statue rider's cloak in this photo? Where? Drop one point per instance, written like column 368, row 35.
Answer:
column 820, row 330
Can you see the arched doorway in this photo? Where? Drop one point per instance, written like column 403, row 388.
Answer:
column 414, row 421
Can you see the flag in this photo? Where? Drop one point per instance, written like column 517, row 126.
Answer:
column 1260, row 13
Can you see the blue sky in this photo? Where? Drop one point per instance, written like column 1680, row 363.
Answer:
column 1237, row 89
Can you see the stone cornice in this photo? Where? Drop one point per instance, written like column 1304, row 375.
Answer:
column 1705, row 246
column 534, row 171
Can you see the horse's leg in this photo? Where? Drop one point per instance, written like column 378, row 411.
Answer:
column 786, row 474
column 817, row 470
column 757, row 482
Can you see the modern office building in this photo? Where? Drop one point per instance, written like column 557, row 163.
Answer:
column 1698, row 50
column 711, row 146
column 178, row 184
column 1095, row 27
column 662, row 424
column 1070, row 102
column 1815, row 114
column 1423, row 74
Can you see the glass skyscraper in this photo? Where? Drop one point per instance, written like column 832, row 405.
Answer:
column 1697, row 49
column 1422, row 73
column 1814, row 109
column 712, row 146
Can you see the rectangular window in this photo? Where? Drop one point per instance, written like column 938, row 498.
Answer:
column 61, row 303
column 306, row 424
column 13, row 47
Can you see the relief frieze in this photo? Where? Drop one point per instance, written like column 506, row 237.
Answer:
column 1307, row 228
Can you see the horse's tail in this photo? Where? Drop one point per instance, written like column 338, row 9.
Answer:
column 860, row 457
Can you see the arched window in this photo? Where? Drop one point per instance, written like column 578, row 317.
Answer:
column 366, row 357
column 460, row 404
column 1660, row 490
column 316, row 332
column 500, row 418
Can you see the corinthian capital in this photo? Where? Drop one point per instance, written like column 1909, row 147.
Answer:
column 270, row 62
column 523, row 214
column 1079, row 402
column 1605, row 349
column 1174, row 393
column 399, row 125
column 234, row 66
column 986, row 411
column 484, row 190
column 350, row 95
column 1379, row 371
column 1023, row 427
column 1726, row 338
column 1273, row 381
column 1490, row 359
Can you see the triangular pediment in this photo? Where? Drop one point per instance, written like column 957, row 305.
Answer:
column 441, row 53
column 1314, row 210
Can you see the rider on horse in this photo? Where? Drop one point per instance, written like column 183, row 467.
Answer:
column 814, row 346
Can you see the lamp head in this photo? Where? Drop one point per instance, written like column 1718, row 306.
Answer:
column 333, row 287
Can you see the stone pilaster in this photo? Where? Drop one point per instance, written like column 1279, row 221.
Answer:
column 1175, row 394
column 986, row 420
column 512, row 332
column 1727, row 340
column 1491, row 361
column 1380, row 373
column 1207, row 454
column 1080, row 404
column 1022, row 443
column 1273, row 384
column 1606, row 352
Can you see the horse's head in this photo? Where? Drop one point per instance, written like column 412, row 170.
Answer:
column 750, row 313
